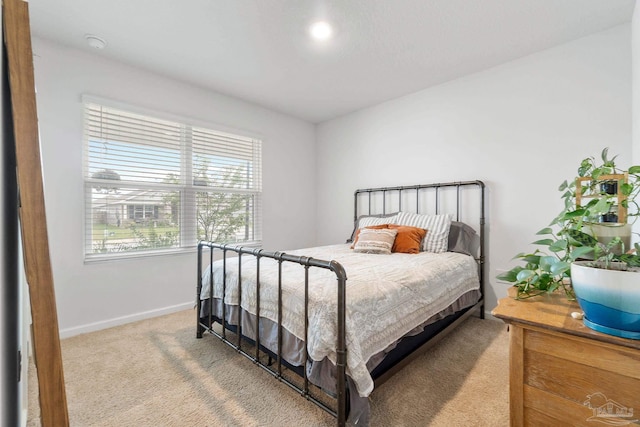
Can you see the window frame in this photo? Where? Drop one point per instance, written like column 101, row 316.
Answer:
column 187, row 188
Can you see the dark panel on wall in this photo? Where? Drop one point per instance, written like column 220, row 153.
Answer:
column 9, row 296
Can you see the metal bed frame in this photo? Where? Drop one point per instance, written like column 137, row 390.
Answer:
column 254, row 353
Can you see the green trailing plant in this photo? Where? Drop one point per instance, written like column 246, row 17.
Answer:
column 152, row 239
column 221, row 215
column 572, row 234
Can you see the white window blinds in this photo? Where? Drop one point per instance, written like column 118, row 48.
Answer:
column 153, row 184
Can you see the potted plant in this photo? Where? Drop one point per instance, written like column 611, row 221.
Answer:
column 587, row 257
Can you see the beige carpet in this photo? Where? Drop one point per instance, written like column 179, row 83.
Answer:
column 156, row 373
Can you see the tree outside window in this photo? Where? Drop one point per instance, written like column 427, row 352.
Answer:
column 177, row 184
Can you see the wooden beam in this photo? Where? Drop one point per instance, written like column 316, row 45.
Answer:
column 46, row 339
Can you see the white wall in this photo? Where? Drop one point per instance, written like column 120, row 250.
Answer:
column 521, row 127
column 635, row 79
column 95, row 295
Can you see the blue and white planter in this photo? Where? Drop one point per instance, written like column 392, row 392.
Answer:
column 610, row 299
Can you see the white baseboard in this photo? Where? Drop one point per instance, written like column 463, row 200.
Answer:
column 97, row 326
column 23, row 421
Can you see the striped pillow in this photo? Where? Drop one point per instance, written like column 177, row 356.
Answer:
column 368, row 220
column 375, row 227
column 437, row 227
column 372, row 241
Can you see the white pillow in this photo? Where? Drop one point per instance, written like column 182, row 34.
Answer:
column 372, row 241
column 437, row 226
column 368, row 220
column 372, row 220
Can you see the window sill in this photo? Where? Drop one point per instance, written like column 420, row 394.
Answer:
column 100, row 258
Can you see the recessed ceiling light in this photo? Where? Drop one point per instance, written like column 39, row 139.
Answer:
column 321, row 30
column 95, row 41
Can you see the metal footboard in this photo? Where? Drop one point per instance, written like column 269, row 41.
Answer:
column 341, row 349
column 429, row 198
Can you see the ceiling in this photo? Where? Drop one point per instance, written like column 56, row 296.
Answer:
column 259, row 51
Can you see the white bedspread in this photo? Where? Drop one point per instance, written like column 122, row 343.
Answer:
column 387, row 296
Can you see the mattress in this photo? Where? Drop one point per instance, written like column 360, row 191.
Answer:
column 388, row 296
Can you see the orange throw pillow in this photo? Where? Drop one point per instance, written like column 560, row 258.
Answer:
column 373, row 227
column 408, row 239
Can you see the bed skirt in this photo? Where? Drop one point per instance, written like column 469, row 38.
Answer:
column 323, row 373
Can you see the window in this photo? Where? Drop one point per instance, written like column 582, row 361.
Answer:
column 155, row 185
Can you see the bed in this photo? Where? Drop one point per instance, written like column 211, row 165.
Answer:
column 336, row 321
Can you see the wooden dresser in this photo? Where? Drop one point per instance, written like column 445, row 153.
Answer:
column 563, row 373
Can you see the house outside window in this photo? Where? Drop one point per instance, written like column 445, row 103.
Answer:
column 148, row 212
column 154, row 185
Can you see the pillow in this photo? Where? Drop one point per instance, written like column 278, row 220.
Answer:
column 437, row 238
column 366, row 220
column 373, row 241
column 462, row 239
column 370, row 227
column 408, row 239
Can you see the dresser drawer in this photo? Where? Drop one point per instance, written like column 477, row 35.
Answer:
column 572, row 380
column 562, row 373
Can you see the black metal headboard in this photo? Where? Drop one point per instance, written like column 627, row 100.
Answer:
column 464, row 200
column 418, row 191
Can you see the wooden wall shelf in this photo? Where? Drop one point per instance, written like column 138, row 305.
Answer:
column 618, row 177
